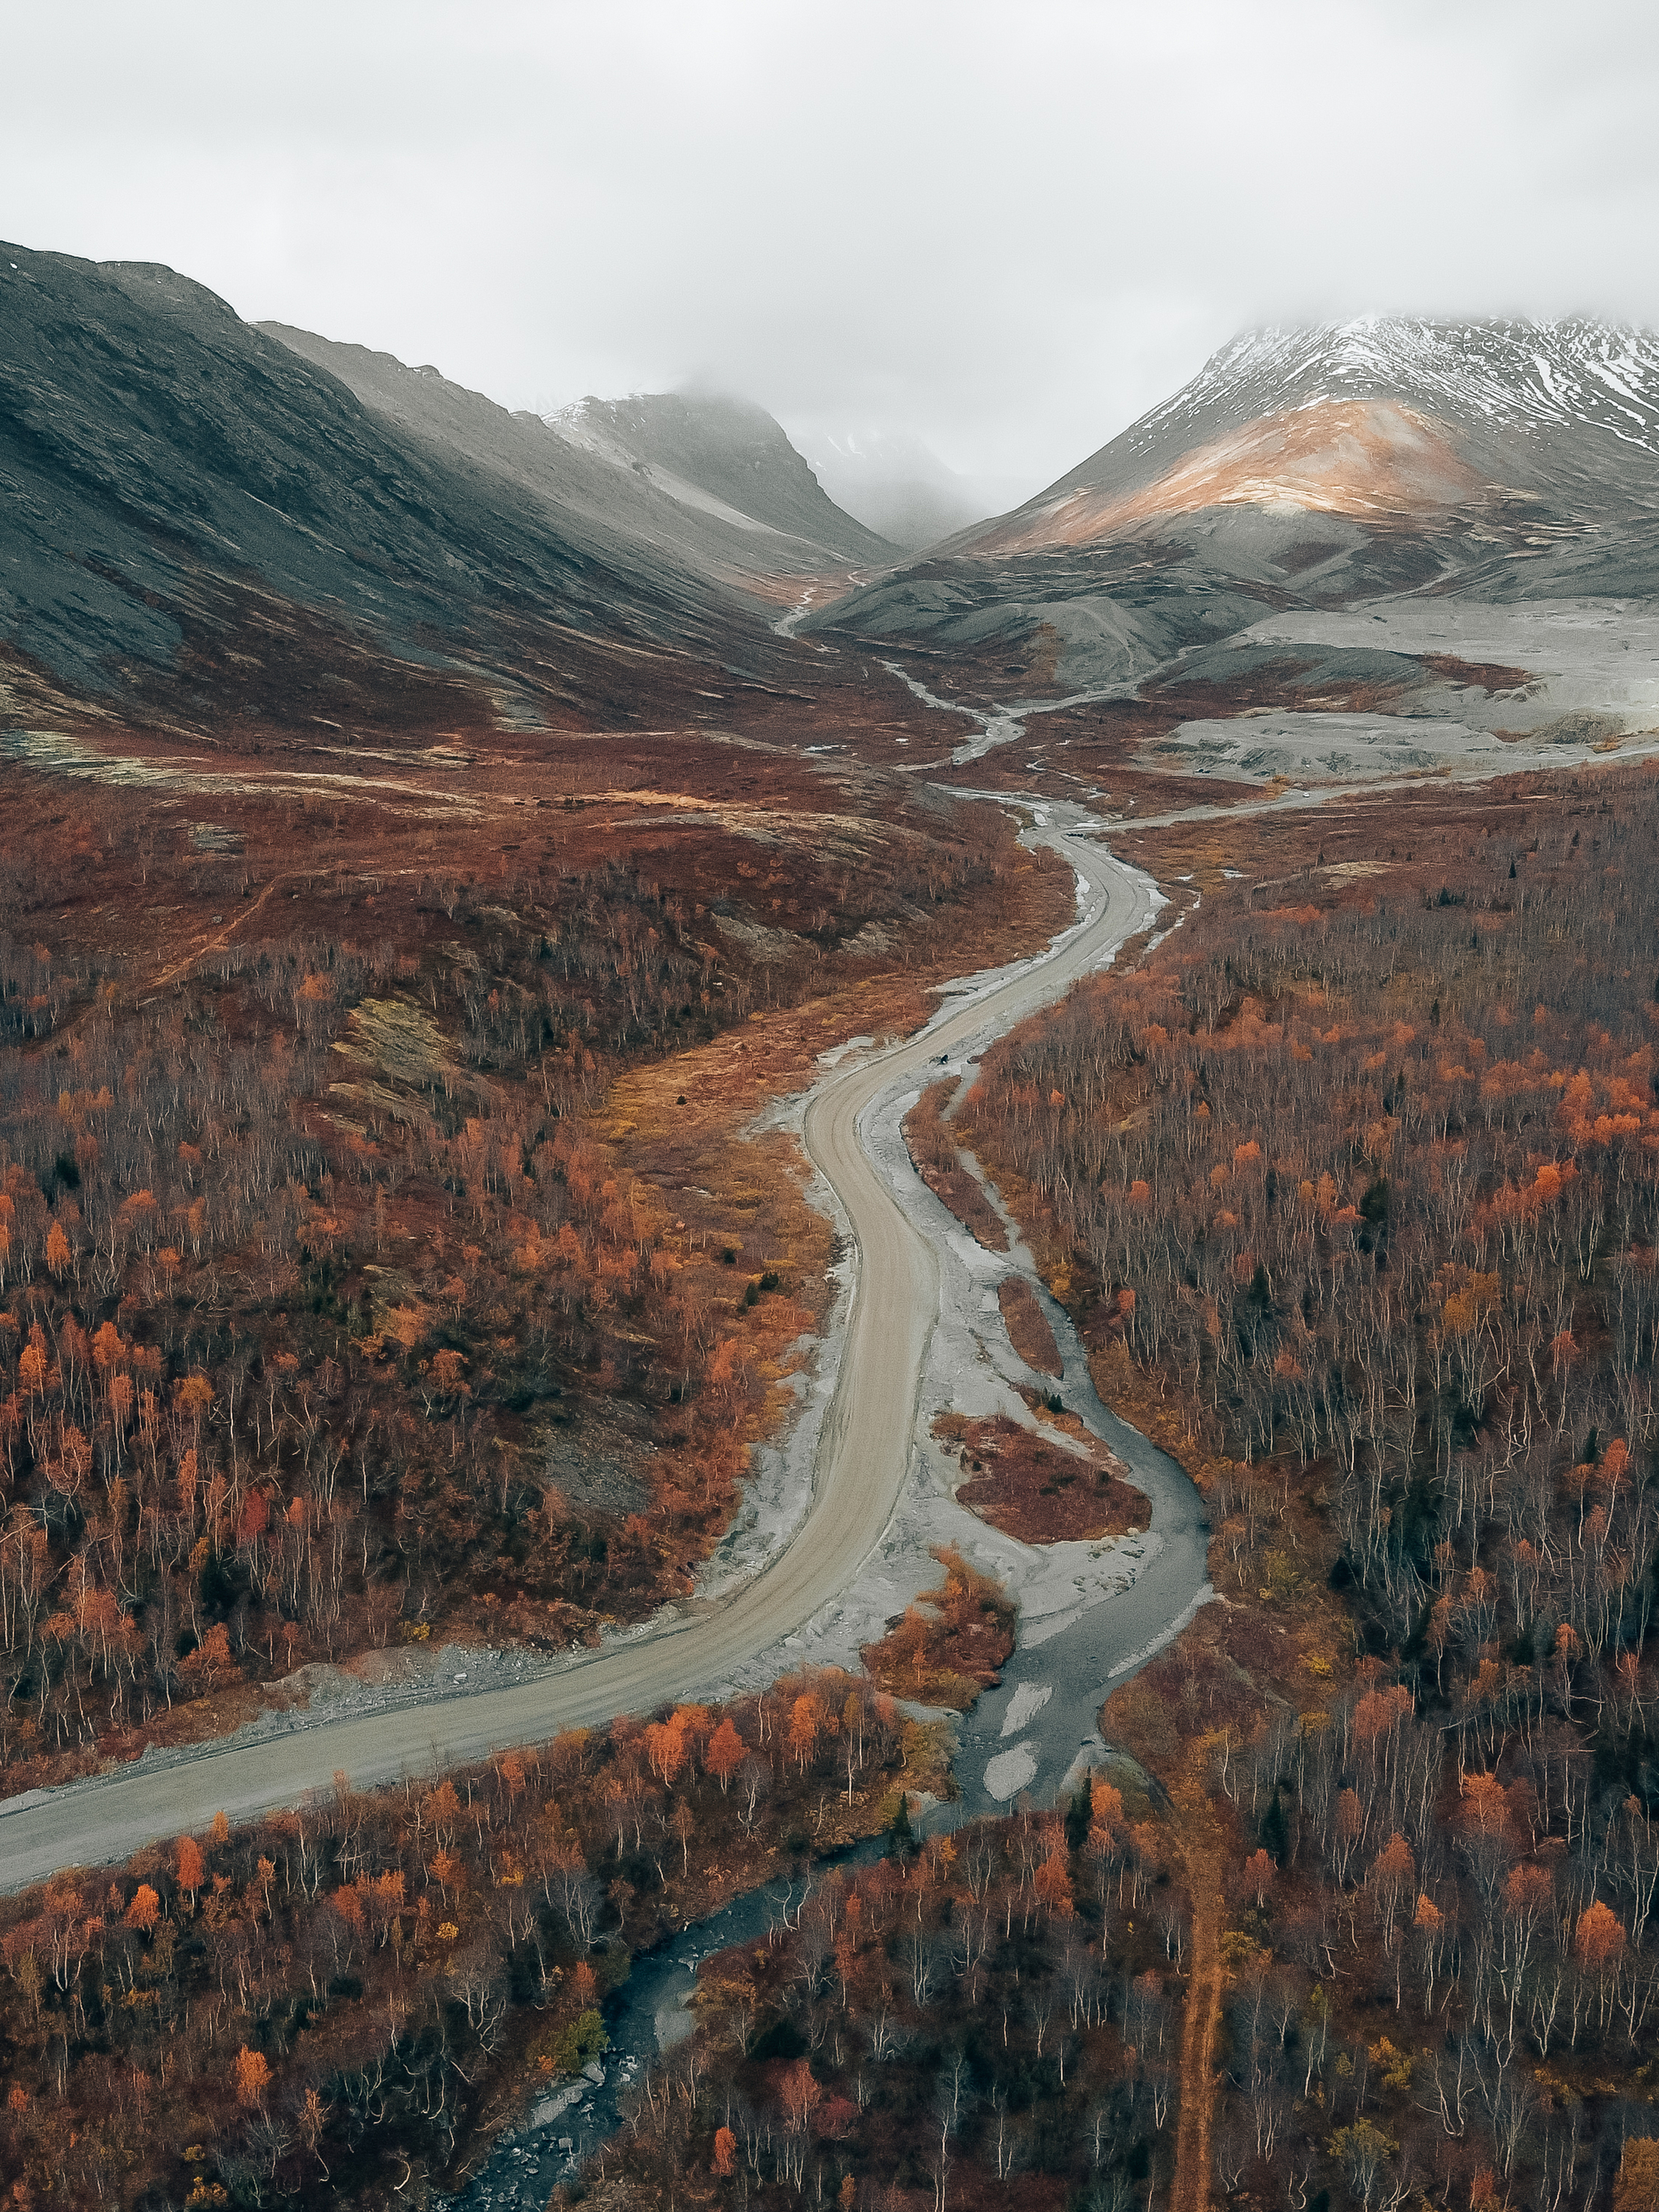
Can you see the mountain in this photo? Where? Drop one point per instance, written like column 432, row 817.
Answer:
column 714, row 478
column 900, row 487
column 1316, row 468
column 728, row 459
column 207, row 525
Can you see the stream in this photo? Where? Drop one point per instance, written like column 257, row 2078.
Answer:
column 648, row 2014
column 1035, row 1728
column 1029, row 1736
column 998, row 725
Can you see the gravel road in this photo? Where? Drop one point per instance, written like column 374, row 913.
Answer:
column 861, row 1461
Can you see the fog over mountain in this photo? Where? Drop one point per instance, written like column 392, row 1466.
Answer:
column 713, row 475
column 897, row 485
column 931, row 223
column 212, row 518
column 206, row 519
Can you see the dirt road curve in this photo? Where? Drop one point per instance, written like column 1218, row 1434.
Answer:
column 862, row 1464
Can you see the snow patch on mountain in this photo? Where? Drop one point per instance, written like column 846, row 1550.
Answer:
column 1530, row 377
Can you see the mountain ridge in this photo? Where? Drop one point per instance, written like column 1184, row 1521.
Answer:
column 1322, row 467
column 729, row 450
column 584, row 463
column 1517, row 376
column 210, row 527
column 189, row 499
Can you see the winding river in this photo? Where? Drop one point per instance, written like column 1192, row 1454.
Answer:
column 1025, row 1736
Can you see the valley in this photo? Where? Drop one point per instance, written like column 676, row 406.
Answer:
column 967, row 1231
column 861, row 1462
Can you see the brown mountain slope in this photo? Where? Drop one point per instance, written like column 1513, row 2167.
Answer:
column 1366, row 458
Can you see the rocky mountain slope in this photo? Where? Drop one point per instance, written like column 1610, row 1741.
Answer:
column 713, row 480
column 728, row 460
column 205, row 527
column 1543, row 408
column 1316, row 468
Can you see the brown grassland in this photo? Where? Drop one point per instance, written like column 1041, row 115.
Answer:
column 935, row 1155
column 1042, row 1493
column 1027, row 1325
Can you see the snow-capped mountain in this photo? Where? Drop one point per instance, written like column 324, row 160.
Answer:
column 1525, row 377
column 1390, row 416
column 1322, row 467
column 1528, row 404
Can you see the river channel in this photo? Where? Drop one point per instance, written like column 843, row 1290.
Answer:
column 1029, row 1737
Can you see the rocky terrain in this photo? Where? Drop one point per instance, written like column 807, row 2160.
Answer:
column 712, row 480
column 209, row 526
column 1312, row 470
column 1489, row 481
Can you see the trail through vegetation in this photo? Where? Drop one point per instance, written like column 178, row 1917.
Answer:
column 1202, row 1860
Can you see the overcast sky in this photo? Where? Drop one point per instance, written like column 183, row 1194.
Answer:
column 1006, row 228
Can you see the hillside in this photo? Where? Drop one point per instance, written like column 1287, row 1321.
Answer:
column 213, row 529
column 711, row 481
column 1319, row 469
column 1409, row 415
column 728, row 460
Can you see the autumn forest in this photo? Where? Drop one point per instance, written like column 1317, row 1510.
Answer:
column 398, row 1275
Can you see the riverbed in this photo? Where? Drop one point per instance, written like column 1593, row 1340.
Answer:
column 1031, row 1737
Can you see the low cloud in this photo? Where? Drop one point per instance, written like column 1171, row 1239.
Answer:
column 1005, row 231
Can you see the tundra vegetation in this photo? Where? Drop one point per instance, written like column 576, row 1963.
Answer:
column 1045, row 1484
column 946, row 1646
column 309, row 2009
column 989, row 2018
column 1351, row 1188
